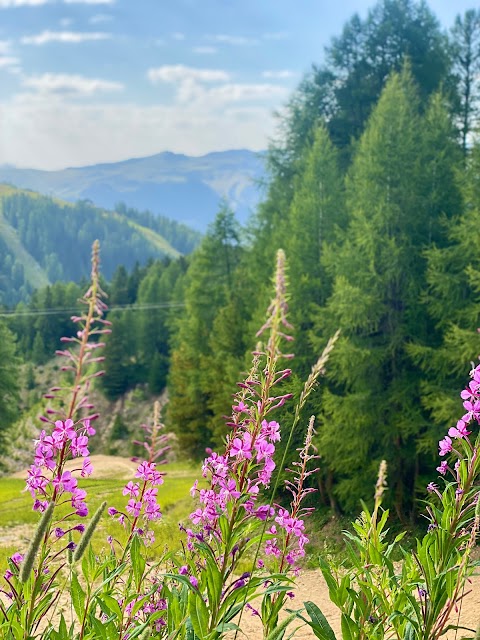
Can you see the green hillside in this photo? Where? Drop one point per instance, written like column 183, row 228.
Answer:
column 44, row 240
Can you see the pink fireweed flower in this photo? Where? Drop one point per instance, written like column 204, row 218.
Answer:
column 88, row 428
column 152, row 510
column 271, row 548
column 66, row 483
column 271, row 430
column 79, row 447
column 228, row 488
column 469, row 394
column 443, row 467
column 64, row 431
column 146, row 471
column 134, row 508
column 265, row 474
column 241, row 407
column 460, row 431
column 36, row 481
column 87, row 468
column 264, row 449
column 473, row 409
column 241, row 448
column 445, row 446
column 194, row 489
column 193, row 581
column 131, row 489
column 40, row 505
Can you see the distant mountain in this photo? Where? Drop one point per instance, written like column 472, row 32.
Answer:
column 187, row 189
column 44, row 240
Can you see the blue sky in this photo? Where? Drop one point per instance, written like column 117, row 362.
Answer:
column 87, row 81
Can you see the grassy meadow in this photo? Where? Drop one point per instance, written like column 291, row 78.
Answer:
column 17, row 519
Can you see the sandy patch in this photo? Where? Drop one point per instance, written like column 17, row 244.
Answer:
column 114, row 467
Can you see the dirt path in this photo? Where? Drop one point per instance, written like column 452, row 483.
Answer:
column 311, row 586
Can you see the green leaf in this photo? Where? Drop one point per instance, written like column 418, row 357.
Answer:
column 409, row 632
column 198, row 612
column 138, row 561
column 350, row 629
column 319, row 623
column 279, row 632
column 111, row 603
column 99, row 629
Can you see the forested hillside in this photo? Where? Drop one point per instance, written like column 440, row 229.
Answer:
column 43, row 240
column 373, row 193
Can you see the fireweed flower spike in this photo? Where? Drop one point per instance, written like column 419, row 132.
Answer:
column 229, row 520
column 66, row 436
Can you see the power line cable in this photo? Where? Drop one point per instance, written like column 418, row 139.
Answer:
column 65, row 310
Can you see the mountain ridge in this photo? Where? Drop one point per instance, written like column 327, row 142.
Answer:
column 185, row 188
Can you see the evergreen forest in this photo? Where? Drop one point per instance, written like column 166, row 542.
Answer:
column 373, row 192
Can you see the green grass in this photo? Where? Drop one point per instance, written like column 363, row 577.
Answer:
column 17, row 515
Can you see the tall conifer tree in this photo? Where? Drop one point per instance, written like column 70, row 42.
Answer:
column 372, row 410
column 208, row 282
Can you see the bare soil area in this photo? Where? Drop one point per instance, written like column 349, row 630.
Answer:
column 114, row 467
column 311, row 586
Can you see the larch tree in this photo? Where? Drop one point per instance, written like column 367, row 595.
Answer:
column 372, row 408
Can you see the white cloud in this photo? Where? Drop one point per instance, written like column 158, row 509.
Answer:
column 179, row 73
column 241, row 41
column 205, row 50
column 8, row 61
column 65, row 22
column 283, row 74
column 178, row 35
column 275, row 35
column 99, row 18
column 8, row 4
column 50, row 133
column 4, row 47
column 59, row 83
column 89, row 1
column 74, row 37
column 246, row 92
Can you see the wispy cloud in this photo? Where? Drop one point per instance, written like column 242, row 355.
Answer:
column 53, row 134
column 70, row 84
column 282, row 74
column 8, row 61
column 100, row 18
column 181, row 73
column 205, row 50
column 178, row 35
column 74, row 37
column 192, row 87
column 89, row 1
column 276, row 35
column 9, row 4
column 238, row 41
column 243, row 92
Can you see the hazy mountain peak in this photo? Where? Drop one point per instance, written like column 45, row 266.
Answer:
column 185, row 188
